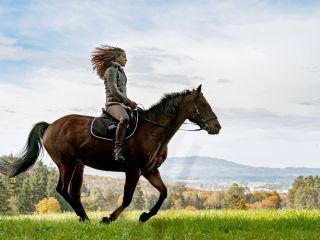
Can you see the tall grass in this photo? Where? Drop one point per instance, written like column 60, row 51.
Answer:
column 179, row 224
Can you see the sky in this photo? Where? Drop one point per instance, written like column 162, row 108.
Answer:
column 258, row 63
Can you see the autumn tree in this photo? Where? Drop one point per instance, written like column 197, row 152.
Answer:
column 48, row 205
column 233, row 197
column 271, row 202
column 215, row 199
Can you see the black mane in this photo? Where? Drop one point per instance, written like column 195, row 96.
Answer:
column 168, row 104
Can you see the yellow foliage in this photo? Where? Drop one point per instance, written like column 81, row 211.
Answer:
column 48, row 205
column 241, row 205
column 190, row 208
column 248, row 206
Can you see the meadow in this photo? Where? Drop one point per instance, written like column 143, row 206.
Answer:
column 169, row 224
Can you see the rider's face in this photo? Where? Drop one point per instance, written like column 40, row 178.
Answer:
column 122, row 59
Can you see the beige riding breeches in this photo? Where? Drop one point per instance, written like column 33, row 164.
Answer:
column 118, row 112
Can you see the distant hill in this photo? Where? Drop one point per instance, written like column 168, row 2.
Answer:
column 219, row 173
column 206, row 167
column 208, row 170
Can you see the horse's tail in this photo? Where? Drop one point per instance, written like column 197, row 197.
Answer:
column 29, row 155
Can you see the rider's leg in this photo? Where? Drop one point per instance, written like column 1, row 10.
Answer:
column 118, row 112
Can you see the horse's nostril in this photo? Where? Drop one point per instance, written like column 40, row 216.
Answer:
column 218, row 126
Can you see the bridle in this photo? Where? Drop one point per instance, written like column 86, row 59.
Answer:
column 203, row 122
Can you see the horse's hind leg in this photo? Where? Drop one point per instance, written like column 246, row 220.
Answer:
column 66, row 174
column 156, row 181
column 132, row 179
column 75, row 190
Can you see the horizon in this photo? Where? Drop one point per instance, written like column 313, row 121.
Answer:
column 257, row 61
column 95, row 172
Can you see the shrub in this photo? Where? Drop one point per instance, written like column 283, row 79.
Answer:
column 48, row 205
column 190, row 208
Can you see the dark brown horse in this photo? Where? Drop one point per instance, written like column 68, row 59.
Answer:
column 71, row 146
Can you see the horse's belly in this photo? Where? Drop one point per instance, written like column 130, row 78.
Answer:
column 105, row 164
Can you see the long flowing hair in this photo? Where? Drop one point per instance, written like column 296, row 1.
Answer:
column 102, row 57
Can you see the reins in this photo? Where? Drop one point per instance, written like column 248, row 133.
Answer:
column 170, row 128
column 161, row 125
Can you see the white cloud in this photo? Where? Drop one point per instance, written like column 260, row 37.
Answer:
column 6, row 40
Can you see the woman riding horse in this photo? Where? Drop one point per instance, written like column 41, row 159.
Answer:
column 71, row 146
column 109, row 62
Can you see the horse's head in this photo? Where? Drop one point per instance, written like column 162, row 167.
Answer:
column 200, row 112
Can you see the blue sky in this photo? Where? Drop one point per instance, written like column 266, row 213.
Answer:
column 258, row 62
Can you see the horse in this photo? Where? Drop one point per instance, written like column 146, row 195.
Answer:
column 71, row 146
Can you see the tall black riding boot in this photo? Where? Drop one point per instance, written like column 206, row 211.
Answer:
column 120, row 136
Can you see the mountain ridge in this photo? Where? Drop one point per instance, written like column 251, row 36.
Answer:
column 209, row 171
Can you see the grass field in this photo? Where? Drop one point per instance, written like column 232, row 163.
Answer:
column 179, row 224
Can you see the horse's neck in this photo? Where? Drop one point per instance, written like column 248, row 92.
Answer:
column 173, row 122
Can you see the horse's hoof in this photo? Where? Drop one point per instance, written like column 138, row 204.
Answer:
column 84, row 220
column 144, row 217
column 105, row 220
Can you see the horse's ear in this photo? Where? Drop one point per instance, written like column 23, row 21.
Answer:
column 199, row 88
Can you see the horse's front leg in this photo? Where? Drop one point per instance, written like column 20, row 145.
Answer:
column 156, row 181
column 132, row 178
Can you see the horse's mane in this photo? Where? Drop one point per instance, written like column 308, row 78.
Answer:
column 168, row 104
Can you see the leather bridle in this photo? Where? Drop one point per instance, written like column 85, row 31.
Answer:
column 203, row 122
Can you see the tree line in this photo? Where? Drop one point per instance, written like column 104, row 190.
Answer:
column 304, row 193
column 22, row 193
column 34, row 190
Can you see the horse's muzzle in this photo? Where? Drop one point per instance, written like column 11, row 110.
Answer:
column 215, row 130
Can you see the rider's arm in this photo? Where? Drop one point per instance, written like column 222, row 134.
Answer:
column 111, row 80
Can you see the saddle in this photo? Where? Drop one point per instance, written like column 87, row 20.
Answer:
column 104, row 127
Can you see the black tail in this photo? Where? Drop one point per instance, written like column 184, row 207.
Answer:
column 30, row 153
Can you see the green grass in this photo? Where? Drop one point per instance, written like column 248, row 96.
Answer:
column 179, row 224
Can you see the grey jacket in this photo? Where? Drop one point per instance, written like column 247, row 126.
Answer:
column 115, row 82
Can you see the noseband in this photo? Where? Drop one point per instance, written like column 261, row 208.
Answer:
column 203, row 121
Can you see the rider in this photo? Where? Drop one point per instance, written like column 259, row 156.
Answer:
column 109, row 62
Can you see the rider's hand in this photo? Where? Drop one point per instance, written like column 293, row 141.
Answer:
column 133, row 105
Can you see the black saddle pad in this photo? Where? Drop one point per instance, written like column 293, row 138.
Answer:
column 104, row 127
